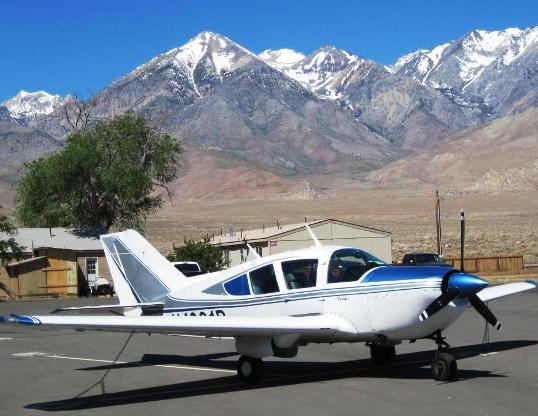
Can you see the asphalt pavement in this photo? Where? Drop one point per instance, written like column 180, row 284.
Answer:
column 52, row 370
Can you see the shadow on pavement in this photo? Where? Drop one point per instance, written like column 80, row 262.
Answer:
column 413, row 366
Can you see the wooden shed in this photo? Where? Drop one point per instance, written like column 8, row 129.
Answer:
column 57, row 261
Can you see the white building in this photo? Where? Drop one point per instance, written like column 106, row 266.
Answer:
column 272, row 240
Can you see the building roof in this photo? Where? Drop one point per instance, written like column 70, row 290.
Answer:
column 65, row 238
column 267, row 233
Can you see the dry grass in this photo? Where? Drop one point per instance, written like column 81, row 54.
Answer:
column 497, row 223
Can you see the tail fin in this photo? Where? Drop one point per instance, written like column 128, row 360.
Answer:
column 141, row 274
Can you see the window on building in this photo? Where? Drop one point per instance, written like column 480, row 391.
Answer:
column 263, row 280
column 91, row 266
column 300, row 274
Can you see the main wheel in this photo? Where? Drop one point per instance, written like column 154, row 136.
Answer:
column 249, row 370
column 444, row 367
column 382, row 355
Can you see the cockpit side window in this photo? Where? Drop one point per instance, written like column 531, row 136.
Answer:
column 349, row 265
column 300, row 274
column 238, row 286
column 263, row 280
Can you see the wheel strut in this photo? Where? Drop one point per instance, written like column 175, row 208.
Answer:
column 444, row 366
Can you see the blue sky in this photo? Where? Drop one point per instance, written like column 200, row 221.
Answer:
column 81, row 46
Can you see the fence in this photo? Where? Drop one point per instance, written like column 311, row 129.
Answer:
column 489, row 264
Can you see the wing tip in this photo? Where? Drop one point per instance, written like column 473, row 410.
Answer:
column 23, row 319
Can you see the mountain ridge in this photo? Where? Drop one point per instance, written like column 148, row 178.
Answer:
column 289, row 114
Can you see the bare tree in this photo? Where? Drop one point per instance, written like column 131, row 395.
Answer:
column 76, row 113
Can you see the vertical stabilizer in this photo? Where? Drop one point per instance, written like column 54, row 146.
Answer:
column 141, row 274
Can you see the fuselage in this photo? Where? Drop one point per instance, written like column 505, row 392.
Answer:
column 382, row 302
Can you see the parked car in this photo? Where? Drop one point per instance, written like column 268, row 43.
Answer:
column 189, row 268
column 102, row 287
column 424, row 259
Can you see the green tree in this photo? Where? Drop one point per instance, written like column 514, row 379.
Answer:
column 107, row 175
column 9, row 248
column 209, row 257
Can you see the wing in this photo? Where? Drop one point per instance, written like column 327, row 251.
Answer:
column 497, row 292
column 210, row 326
column 155, row 308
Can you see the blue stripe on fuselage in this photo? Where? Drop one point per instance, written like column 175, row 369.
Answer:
column 284, row 297
column 399, row 273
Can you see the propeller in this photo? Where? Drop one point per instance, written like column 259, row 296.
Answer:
column 486, row 313
column 460, row 284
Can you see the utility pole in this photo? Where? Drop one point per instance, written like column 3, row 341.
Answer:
column 438, row 222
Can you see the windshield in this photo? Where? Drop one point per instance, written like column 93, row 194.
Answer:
column 349, row 265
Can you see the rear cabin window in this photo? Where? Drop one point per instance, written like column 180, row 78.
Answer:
column 350, row 265
column 237, row 286
column 300, row 274
column 187, row 267
column 263, row 280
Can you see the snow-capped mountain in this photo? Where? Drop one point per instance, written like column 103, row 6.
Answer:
column 397, row 107
column 480, row 68
column 328, row 71
column 281, row 58
column 178, row 77
column 30, row 104
column 218, row 96
column 286, row 112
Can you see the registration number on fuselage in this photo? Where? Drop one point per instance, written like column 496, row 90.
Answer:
column 212, row 312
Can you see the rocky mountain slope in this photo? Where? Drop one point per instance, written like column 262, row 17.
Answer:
column 22, row 144
column 407, row 113
column 283, row 113
column 218, row 96
column 496, row 71
column 501, row 155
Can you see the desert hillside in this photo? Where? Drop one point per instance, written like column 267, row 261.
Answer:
column 499, row 156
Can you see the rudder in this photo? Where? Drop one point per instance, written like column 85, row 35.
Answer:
column 141, row 274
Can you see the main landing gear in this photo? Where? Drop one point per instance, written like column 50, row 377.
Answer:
column 444, row 365
column 250, row 370
column 381, row 354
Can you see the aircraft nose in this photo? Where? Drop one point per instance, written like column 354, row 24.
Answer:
column 467, row 284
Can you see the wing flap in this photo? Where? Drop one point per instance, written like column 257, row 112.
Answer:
column 320, row 325
column 497, row 292
column 144, row 309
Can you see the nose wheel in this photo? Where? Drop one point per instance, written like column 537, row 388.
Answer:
column 444, row 366
column 249, row 370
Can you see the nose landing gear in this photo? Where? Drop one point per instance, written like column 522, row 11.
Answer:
column 444, row 366
column 250, row 370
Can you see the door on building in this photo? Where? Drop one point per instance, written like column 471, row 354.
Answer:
column 91, row 271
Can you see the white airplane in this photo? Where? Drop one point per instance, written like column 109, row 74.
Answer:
column 273, row 305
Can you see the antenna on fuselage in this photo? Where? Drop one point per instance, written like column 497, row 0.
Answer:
column 313, row 236
column 253, row 251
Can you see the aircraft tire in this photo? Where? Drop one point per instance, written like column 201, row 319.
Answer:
column 249, row 370
column 382, row 355
column 444, row 367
